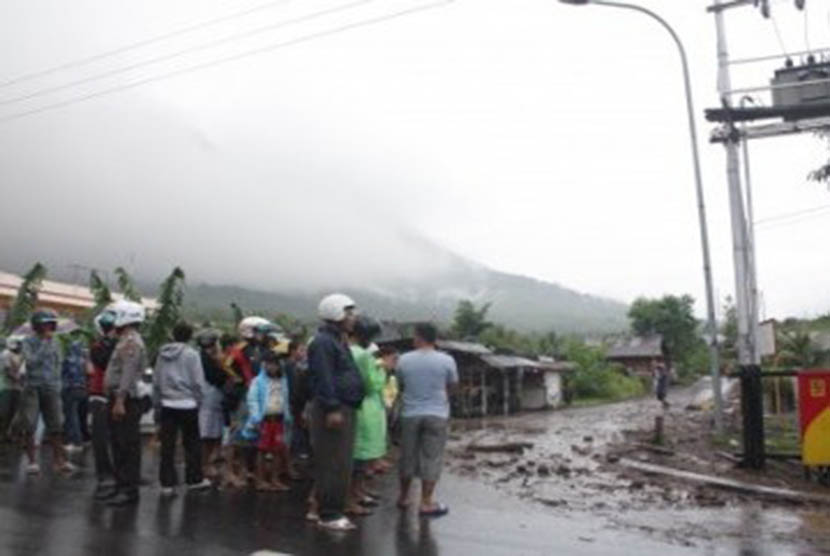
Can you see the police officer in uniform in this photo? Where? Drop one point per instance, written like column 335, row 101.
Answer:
column 128, row 362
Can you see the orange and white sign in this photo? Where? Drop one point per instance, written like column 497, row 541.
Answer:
column 814, row 415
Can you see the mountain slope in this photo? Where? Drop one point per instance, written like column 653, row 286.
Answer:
column 519, row 302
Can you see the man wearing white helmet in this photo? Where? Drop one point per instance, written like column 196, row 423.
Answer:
column 128, row 362
column 337, row 390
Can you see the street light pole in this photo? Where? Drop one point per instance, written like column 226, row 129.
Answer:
column 714, row 365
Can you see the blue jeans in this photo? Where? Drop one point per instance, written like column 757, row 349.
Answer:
column 73, row 401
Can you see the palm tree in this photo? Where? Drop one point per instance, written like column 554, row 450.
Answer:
column 171, row 297
column 127, row 286
column 26, row 299
column 797, row 349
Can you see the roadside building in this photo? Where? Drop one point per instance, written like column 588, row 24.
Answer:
column 71, row 300
column 491, row 383
column 637, row 354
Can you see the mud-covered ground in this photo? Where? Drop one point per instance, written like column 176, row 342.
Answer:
column 572, row 464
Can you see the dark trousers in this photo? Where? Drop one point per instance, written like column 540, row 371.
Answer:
column 101, row 440
column 9, row 402
column 300, row 442
column 74, row 415
column 125, row 439
column 83, row 416
column 332, row 461
column 186, row 421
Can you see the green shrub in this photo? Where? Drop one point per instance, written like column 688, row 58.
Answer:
column 595, row 378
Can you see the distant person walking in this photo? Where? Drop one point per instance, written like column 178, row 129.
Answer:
column 127, row 364
column 178, row 391
column 661, row 378
column 425, row 376
column 337, row 390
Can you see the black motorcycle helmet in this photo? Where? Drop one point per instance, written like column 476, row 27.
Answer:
column 365, row 330
column 43, row 318
column 207, row 338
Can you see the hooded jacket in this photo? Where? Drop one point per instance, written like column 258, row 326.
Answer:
column 178, row 378
column 258, row 403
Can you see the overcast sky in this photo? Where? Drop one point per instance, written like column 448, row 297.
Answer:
column 533, row 137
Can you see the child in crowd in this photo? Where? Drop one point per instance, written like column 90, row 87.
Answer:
column 267, row 403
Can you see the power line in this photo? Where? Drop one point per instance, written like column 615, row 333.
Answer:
column 797, row 215
column 275, row 46
column 190, row 50
column 778, row 35
column 139, row 44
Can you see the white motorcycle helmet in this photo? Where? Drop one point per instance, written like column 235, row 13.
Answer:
column 334, row 307
column 127, row 313
column 248, row 326
column 14, row 343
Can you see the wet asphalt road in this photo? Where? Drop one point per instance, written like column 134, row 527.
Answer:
column 56, row 516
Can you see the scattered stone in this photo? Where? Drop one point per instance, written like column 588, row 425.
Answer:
column 588, row 438
column 586, row 539
column 553, row 503
column 563, row 471
column 543, row 471
column 612, row 458
column 521, row 469
column 508, row 447
column 637, row 485
column 580, row 450
column 494, row 464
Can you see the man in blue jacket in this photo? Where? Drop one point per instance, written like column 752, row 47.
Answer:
column 337, row 390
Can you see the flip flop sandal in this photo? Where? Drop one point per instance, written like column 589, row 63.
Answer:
column 438, row 511
column 342, row 524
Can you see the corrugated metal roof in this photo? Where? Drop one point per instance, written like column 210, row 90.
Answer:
column 463, row 347
column 508, row 361
column 517, row 362
column 60, row 293
column 649, row 346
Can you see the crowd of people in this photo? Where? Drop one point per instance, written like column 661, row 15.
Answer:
column 250, row 409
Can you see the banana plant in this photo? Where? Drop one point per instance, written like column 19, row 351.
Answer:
column 26, row 299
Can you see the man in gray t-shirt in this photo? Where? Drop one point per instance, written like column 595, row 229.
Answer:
column 424, row 376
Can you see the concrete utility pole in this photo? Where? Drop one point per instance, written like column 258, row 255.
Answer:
column 739, row 235
column 754, row 308
column 714, row 363
column 748, row 353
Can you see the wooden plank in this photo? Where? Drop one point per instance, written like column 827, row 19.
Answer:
column 654, row 448
column 726, row 484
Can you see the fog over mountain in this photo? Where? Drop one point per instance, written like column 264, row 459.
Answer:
column 425, row 283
